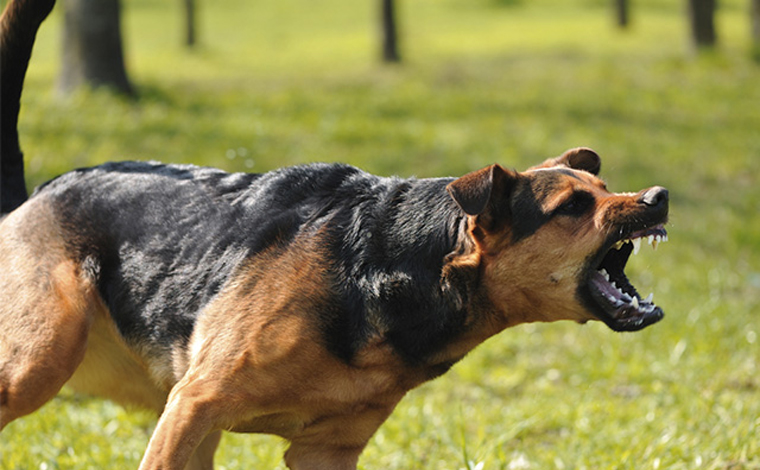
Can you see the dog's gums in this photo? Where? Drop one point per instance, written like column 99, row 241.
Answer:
column 617, row 301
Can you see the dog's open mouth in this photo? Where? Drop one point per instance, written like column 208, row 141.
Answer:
column 617, row 302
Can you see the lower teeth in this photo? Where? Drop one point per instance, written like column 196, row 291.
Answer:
column 624, row 299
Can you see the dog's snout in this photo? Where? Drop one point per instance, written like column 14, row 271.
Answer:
column 656, row 196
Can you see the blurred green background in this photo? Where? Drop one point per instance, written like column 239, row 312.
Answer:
column 481, row 81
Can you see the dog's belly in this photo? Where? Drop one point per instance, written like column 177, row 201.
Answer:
column 111, row 370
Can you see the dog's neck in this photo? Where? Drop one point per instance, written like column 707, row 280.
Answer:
column 416, row 280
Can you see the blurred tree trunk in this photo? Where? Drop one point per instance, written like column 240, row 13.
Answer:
column 702, row 17
column 92, row 49
column 389, row 31
column 190, row 21
column 755, row 21
column 621, row 13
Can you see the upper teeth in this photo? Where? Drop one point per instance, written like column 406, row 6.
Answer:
column 636, row 242
column 622, row 298
column 636, row 245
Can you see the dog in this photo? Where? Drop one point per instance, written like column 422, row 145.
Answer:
column 304, row 302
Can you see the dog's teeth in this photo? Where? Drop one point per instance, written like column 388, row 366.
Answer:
column 636, row 245
column 614, row 286
column 604, row 274
column 651, row 239
column 635, row 302
column 649, row 298
column 655, row 242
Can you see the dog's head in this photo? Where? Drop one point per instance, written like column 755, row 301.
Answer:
column 551, row 243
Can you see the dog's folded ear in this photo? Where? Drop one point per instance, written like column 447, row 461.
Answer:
column 581, row 158
column 473, row 191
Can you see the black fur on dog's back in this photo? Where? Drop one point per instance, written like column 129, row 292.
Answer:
column 163, row 240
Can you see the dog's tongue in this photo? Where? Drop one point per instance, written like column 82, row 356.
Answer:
column 613, row 294
column 625, row 306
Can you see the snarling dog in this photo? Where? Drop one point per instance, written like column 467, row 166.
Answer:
column 304, row 302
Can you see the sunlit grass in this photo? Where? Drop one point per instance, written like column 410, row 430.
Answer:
column 286, row 82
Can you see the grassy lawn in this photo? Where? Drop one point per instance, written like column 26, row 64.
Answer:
column 292, row 81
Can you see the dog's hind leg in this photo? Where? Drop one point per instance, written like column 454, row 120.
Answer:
column 46, row 308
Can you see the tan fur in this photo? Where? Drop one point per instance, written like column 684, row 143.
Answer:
column 112, row 370
column 55, row 330
column 46, row 309
column 543, row 288
column 550, row 261
column 269, row 373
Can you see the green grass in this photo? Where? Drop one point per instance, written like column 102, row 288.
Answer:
column 292, row 81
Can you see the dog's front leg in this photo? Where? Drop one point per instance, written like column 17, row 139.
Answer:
column 203, row 458
column 187, row 425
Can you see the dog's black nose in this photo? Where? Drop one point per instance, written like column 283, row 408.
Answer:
column 654, row 197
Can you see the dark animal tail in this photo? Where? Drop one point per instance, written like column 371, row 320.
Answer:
column 18, row 28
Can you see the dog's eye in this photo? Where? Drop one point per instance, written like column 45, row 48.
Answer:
column 577, row 205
